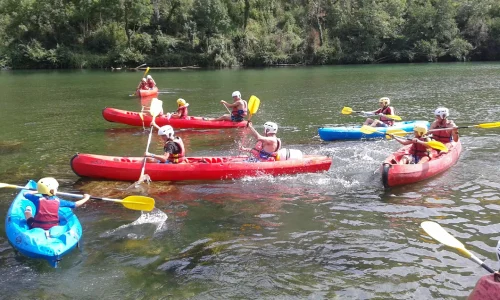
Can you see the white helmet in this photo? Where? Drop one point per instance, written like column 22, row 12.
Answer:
column 384, row 100
column 442, row 112
column 47, row 186
column 149, row 77
column 166, row 130
column 270, row 127
column 236, row 94
column 144, row 79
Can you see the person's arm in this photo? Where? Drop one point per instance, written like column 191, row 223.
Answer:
column 254, row 132
column 433, row 125
column 153, row 123
column 402, row 141
column 231, row 104
column 454, row 133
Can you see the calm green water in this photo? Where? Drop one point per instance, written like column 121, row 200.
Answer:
column 337, row 234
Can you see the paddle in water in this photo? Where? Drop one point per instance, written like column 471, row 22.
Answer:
column 145, row 72
column 438, row 233
column 482, row 125
column 130, row 202
column 154, row 110
column 348, row 111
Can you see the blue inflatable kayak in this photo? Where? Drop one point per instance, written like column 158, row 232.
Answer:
column 50, row 245
column 353, row 133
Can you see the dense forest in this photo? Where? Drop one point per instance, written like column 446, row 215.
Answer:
column 225, row 33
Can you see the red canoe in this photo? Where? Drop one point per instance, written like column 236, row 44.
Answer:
column 197, row 168
column 394, row 174
column 147, row 93
column 134, row 119
column 486, row 289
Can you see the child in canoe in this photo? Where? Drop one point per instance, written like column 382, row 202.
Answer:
column 384, row 109
column 419, row 152
column 182, row 110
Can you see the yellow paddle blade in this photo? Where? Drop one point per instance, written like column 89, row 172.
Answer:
column 6, row 185
column 346, row 110
column 147, row 70
column 139, row 203
column 488, row 125
column 438, row 233
column 437, row 145
column 156, row 107
column 396, row 131
column 393, row 117
column 368, row 129
column 253, row 104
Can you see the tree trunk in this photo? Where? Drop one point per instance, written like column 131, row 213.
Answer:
column 247, row 13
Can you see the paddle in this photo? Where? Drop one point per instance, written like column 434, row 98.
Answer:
column 441, row 235
column 253, row 106
column 483, row 125
column 348, row 111
column 130, row 202
column 154, row 110
column 388, row 134
column 145, row 72
column 433, row 144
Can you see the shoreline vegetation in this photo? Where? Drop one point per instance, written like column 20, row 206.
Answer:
column 81, row 34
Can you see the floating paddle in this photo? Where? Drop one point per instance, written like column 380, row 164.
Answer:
column 130, row 202
column 154, row 110
column 483, row 125
column 145, row 72
column 433, row 144
column 253, row 106
column 441, row 235
column 348, row 111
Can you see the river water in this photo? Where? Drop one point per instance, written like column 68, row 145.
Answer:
column 330, row 235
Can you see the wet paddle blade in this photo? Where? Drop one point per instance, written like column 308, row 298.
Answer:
column 139, row 203
column 253, row 104
column 368, row 129
column 396, row 131
column 346, row 110
column 488, row 125
column 394, row 117
column 156, row 107
column 438, row 233
column 437, row 145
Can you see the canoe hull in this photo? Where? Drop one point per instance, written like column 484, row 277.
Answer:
column 148, row 93
column 354, row 133
column 34, row 243
column 394, row 174
column 134, row 119
column 198, row 168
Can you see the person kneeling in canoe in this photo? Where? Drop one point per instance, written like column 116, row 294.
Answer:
column 239, row 109
column 47, row 205
column 384, row 109
column 182, row 110
column 266, row 148
column 442, row 122
column 419, row 152
column 174, row 151
column 150, row 82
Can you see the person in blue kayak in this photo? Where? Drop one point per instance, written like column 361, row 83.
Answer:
column 239, row 109
column 418, row 153
column 385, row 109
column 174, row 151
column 47, row 204
column 442, row 122
column 267, row 146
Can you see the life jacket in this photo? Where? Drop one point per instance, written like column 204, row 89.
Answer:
column 180, row 157
column 151, row 83
column 47, row 215
column 240, row 112
column 419, row 150
column 444, row 136
column 386, row 110
column 183, row 112
column 144, row 86
column 262, row 155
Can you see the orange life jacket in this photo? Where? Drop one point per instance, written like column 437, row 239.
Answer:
column 262, row 155
column 180, row 157
column 47, row 215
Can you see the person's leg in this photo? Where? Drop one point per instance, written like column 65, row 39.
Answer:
column 375, row 123
column 423, row 160
column 368, row 121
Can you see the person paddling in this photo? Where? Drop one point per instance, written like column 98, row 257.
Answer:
column 267, row 146
column 144, row 84
column 182, row 110
column 47, row 204
column 239, row 109
column 418, row 153
column 441, row 122
column 174, row 150
column 384, row 109
column 150, row 82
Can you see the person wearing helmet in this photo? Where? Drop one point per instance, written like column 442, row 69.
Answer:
column 144, row 84
column 239, row 109
column 419, row 152
column 174, row 151
column 182, row 110
column 47, row 204
column 438, row 127
column 385, row 109
column 150, row 82
column 267, row 146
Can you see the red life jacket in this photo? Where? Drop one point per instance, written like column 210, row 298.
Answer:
column 47, row 215
column 262, row 155
column 144, row 86
column 444, row 136
column 419, row 150
column 182, row 111
column 240, row 112
column 180, row 157
column 386, row 110
column 150, row 83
